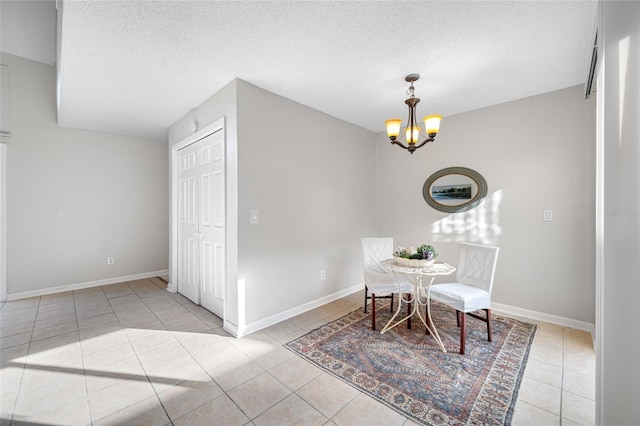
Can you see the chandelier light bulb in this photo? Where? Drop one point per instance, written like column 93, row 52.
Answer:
column 412, row 137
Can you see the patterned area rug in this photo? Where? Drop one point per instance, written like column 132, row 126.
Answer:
column 406, row 369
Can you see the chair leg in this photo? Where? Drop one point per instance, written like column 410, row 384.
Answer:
column 366, row 296
column 461, row 315
column 488, row 311
column 391, row 310
column 458, row 313
column 373, row 311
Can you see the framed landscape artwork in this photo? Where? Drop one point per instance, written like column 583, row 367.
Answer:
column 454, row 189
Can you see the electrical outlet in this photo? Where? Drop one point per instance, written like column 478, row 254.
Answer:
column 322, row 275
column 110, row 261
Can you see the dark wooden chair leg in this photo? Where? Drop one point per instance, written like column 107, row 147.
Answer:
column 461, row 315
column 458, row 318
column 366, row 296
column 373, row 311
column 488, row 311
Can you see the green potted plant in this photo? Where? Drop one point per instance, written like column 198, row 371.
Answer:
column 415, row 256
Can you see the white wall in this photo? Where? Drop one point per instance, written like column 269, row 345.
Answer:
column 535, row 153
column 618, row 375
column 28, row 29
column 312, row 177
column 320, row 186
column 113, row 190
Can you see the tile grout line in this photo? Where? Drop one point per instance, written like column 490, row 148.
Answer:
column 178, row 341
column 15, row 403
column 84, row 370
column 293, row 392
column 565, row 355
column 146, row 373
column 91, row 420
column 135, row 353
column 128, row 338
column 224, row 392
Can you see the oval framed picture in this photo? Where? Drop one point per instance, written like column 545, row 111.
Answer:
column 454, row 189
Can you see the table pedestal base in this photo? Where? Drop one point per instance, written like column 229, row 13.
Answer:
column 414, row 300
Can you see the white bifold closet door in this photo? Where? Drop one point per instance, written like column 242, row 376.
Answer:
column 201, row 222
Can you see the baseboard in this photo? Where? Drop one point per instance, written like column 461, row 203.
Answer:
column 508, row 310
column 290, row 313
column 232, row 329
column 498, row 308
column 243, row 330
column 80, row 286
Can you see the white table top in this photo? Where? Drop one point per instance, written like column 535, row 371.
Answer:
column 436, row 268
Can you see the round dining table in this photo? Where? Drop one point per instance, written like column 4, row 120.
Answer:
column 421, row 277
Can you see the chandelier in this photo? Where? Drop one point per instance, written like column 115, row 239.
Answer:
column 412, row 131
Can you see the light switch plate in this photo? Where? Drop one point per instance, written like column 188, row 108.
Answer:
column 60, row 214
column 255, row 216
column 548, row 215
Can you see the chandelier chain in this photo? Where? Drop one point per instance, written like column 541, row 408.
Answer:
column 410, row 91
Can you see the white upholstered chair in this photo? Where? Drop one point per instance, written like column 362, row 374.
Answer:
column 379, row 281
column 472, row 289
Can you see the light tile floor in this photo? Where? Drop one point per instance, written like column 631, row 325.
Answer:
column 132, row 353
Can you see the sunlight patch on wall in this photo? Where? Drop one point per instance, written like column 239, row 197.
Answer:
column 481, row 224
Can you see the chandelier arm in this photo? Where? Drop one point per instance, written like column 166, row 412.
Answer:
column 424, row 142
column 397, row 142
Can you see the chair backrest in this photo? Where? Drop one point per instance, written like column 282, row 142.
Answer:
column 374, row 251
column 477, row 265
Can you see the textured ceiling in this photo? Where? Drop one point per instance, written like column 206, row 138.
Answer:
column 136, row 67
